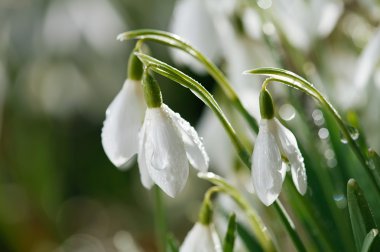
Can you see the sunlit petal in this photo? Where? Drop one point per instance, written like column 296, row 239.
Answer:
column 201, row 238
column 146, row 180
column 195, row 150
column 164, row 152
column 123, row 121
column 267, row 169
column 285, row 139
column 298, row 172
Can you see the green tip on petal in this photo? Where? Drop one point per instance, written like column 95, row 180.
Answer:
column 266, row 105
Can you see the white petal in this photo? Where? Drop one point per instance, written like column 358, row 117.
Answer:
column 267, row 168
column 288, row 146
column 201, row 238
column 164, row 152
column 298, row 172
column 123, row 121
column 146, row 180
column 195, row 150
column 285, row 139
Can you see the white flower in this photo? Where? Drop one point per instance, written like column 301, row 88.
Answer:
column 192, row 21
column 201, row 238
column 167, row 144
column 122, row 124
column 268, row 170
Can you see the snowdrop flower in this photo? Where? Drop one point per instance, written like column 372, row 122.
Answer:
column 273, row 142
column 124, row 117
column 202, row 238
column 167, row 144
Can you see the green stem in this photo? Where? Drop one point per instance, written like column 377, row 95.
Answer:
column 173, row 40
column 309, row 213
column 205, row 213
column 289, row 226
column 160, row 219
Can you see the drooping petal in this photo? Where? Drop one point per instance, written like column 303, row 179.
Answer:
column 285, row 139
column 267, row 169
column 201, row 238
column 146, row 180
column 164, row 152
column 298, row 172
column 195, row 150
column 288, row 146
column 123, row 121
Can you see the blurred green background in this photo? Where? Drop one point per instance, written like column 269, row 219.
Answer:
column 60, row 67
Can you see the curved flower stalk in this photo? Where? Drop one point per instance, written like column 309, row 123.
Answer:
column 273, row 142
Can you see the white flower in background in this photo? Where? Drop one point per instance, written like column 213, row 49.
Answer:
column 123, row 122
column 202, row 238
column 191, row 20
column 272, row 142
column 165, row 144
column 312, row 20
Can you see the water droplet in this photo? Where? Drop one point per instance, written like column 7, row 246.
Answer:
column 323, row 133
column 317, row 115
column 287, row 112
column 354, row 133
column 331, row 163
column 329, row 154
column 340, row 200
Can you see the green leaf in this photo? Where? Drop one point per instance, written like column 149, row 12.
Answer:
column 370, row 239
column 171, row 244
column 360, row 214
column 374, row 163
column 229, row 239
column 248, row 239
